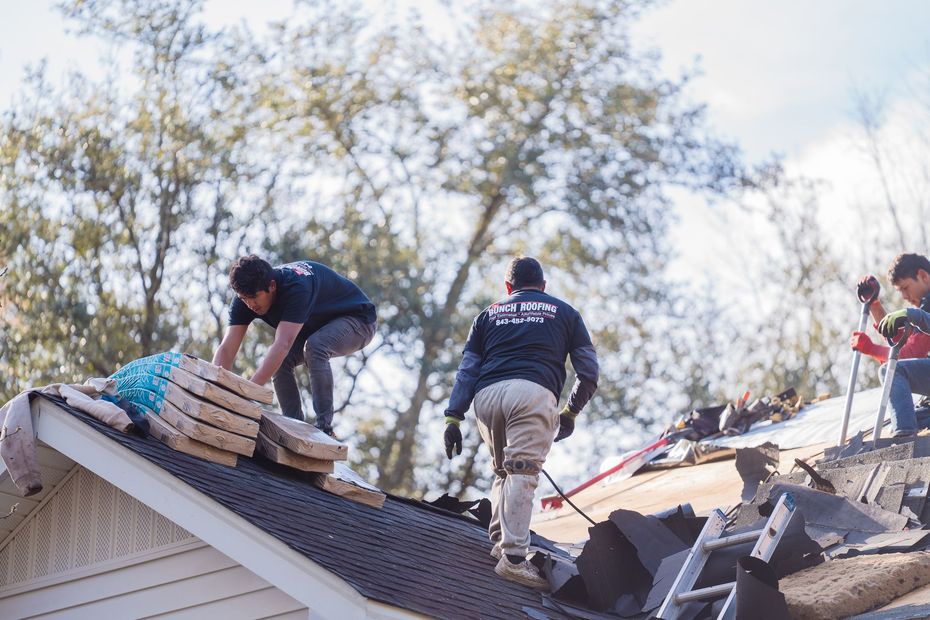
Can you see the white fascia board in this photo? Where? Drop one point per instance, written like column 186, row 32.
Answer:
column 383, row 611
column 324, row 593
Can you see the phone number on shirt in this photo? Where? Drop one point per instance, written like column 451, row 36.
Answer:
column 529, row 319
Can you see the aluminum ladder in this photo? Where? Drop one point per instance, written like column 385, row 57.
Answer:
column 710, row 539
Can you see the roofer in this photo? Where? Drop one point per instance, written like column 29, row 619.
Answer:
column 514, row 369
column 910, row 274
column 317, row 315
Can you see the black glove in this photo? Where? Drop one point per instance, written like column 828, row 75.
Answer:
column 566, row 423
column 868, row 288
column 452, row 436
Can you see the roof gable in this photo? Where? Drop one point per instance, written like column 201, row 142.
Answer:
column 405, row 555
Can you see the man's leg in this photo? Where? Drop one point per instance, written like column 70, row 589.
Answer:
column 492, row 428
column 339, row 337
column 494, row 527
column 285, row 383
column 911, row 376
column 532, row 419
column 529, row 418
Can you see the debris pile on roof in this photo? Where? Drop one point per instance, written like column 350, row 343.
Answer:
column 206, row 411
column 629, row 563
column 861, row 503
column 737, row 417
column 852, row 508
column 693, row 438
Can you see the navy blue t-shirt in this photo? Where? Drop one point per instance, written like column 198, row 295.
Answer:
column 310, row 293
column 528, row 336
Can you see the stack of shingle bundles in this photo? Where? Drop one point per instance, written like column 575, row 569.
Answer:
column 302, row 446
column 194, row 406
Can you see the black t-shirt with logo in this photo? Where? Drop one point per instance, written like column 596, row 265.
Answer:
column 310, row 293
column 528, row 336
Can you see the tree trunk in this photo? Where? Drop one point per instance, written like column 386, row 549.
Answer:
column 397, row 459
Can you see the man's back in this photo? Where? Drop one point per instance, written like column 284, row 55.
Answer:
column 527, row 335
column 309, row 293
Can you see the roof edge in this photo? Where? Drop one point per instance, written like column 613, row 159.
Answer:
column 219, row 527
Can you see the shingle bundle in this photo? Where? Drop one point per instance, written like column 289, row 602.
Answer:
column 194, row 406
column 302, row 446
column 212, row 413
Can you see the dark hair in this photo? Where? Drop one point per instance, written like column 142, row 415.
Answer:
column 250, row 274
column 523, row 272
column 907, row 266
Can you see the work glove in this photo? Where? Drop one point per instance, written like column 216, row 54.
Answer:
column 566, row 423
column 868, row 288
column 893, row 321
column 862, row 343
column 453, row 436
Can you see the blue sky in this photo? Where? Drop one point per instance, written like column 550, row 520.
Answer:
column 777, row 76
column 781, row 78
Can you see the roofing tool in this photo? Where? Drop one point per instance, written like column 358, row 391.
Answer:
column 710, row 539
column 820, row 483
column 851, row 388
column 629, row 465
column 565, row 497
column 889, row 377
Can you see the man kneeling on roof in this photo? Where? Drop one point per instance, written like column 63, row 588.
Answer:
column 514, row 369
column 317, row 315
column 910, row 274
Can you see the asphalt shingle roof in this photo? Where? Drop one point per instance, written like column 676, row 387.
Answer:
column 406, row 554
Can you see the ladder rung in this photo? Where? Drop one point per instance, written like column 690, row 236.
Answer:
column 710, row 538
column 711, row 592
column 735, row 539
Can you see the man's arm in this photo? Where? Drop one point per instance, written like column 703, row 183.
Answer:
column 226, row 353
column 584, row 361
column 878, row 312
column 284, row 336
column 463, row 391
column 919, row 319
column 862, row 343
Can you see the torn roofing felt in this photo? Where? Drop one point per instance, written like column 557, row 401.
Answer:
column 754, row 466
column 815, row 423
column 757, row 594
column 407, row 554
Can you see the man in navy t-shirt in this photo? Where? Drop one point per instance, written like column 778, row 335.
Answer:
column 514, row 370
column 316, row 313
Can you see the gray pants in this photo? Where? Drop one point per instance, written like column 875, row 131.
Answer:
column 339, row 337
column 517, row 420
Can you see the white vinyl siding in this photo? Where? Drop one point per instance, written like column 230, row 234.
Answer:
column 93, row 551
column 14, row 508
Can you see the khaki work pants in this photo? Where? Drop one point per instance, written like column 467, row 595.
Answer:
column 518, row 420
